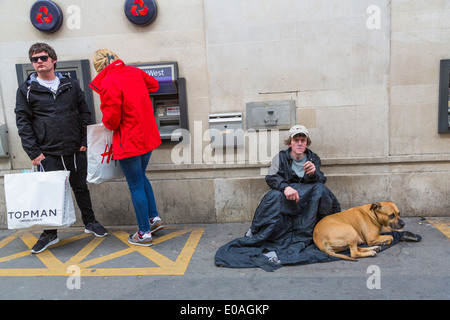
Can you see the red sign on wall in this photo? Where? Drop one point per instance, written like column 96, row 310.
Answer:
column 140, row 12
column 46, row 16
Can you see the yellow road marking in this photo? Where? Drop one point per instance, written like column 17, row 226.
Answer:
column 80, row 256
column 188, row 250
column 7, row 240
column 442, row 224
column 54, row 267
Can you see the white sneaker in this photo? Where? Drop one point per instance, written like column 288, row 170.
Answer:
column 141, row 240
column 156, row 224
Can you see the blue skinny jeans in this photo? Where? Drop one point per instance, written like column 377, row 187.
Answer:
column 140, row 188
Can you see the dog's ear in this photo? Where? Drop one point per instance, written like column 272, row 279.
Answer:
column 375, row 206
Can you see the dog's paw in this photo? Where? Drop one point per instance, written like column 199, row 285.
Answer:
column 377, row 248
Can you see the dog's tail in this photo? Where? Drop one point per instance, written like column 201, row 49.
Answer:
column 326, row 249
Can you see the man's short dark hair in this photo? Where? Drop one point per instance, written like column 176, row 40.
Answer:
column 42, row 47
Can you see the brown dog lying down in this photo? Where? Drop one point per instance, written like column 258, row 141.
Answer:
column 354, row 226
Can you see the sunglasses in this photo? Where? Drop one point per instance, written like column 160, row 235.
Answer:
column 36, row 59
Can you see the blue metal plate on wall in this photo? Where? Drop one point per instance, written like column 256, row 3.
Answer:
column 140, row 12
column 46, row 16
column 165, row 72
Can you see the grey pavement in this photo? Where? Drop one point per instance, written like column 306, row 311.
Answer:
column 408, row 270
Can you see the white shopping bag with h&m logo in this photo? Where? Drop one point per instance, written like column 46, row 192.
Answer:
column 101, row 165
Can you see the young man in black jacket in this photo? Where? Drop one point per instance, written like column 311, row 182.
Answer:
column 52, row 116
column 294, row 165
column 297, row 164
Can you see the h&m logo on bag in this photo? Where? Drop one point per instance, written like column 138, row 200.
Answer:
column 108, row 153
column 31, row 215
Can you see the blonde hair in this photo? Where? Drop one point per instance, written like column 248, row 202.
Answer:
column 102, row 58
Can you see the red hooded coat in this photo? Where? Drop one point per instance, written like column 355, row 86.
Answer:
column 127, row 108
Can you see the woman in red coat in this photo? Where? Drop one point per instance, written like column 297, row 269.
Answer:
column 127, row 111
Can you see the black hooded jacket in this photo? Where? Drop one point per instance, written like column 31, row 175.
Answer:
column 281, row 175
column 49, row 123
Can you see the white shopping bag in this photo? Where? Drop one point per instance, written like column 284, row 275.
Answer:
column 39, row 200
column 101, row 165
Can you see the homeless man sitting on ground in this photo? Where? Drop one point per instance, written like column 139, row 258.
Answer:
column 281, row 231
column 297, row 164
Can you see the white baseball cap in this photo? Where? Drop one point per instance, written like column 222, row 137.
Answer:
column 298, row 129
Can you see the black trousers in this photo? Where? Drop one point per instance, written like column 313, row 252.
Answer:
column 77, row 165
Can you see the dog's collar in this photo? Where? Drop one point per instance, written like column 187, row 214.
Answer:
column 376, row 215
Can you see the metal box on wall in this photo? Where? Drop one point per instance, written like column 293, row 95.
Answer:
column 279, row 114
column 229, row 126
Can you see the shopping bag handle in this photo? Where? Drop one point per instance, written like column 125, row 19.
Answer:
column 35, row 168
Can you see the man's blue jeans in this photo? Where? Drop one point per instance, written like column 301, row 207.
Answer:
column 140, row 188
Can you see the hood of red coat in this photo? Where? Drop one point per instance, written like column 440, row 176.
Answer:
column 115, row 66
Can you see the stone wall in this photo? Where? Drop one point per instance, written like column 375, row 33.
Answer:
column 364, row 75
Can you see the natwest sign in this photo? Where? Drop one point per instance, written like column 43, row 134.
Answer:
column 165, row 72
column 46, row 16
column 140, row 12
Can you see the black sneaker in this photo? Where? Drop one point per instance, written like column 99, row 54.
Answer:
column 96, row 228
column 45, row 240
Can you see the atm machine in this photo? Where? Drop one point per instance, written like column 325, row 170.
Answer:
column 170, row 101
